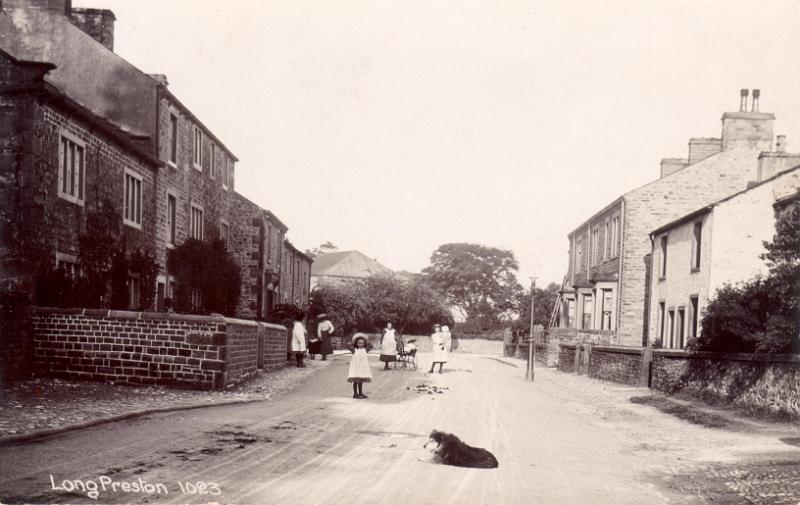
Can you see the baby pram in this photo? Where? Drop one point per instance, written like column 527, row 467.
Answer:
column 407, row 354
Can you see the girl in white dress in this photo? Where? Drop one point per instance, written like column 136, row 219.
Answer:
column 359, row 371
column 439, row 349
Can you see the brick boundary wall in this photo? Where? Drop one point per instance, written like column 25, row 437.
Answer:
column 767, row 383
column 142, row 348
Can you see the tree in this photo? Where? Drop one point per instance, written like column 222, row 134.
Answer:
column 545, row 300
column 408, row 302
column 207, row 268
column 480, row 280
column 763, row 314
column 325, row 248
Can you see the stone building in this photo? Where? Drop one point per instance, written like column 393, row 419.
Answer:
column 85, row 131
column 700, row 252
column 344, row 265
column 606, row 281
column 295, row 276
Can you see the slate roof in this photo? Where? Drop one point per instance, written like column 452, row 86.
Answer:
column 87, row 72
column 353, row 264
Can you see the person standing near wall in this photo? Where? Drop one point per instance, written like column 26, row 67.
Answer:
column 299, row 340
column 439, row 349
column 325, row 331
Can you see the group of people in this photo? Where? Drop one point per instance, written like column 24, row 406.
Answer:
column 359, row 371
column 321, row 344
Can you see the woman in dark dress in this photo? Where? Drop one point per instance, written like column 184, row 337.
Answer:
column 325, row 331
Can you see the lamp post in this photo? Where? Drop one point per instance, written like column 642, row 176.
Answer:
column 531, row 352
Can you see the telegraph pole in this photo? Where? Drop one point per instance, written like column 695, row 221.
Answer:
column 531, row 352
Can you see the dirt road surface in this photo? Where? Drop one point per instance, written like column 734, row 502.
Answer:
column 560, row 440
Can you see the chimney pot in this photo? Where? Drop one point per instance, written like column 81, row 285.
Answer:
column 743, row 99
column 756, row 96
column 780, row 144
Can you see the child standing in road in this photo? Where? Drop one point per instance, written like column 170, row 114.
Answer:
column 359, row 371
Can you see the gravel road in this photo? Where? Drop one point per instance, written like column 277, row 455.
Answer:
column 560, row 440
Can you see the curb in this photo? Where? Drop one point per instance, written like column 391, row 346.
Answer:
column 27, row 437
column 16, row 439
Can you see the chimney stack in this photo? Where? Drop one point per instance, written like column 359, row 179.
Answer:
column 780, row 144
column 743, row 100
column 756, row 95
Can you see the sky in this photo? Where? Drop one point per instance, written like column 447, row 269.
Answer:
column 393, row 127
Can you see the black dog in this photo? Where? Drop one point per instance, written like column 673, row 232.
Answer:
column 448, row 449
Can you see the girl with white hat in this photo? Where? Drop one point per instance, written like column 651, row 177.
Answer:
column 359, row 371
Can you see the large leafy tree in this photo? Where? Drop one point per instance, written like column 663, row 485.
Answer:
column 480, row 280
column 408, row 302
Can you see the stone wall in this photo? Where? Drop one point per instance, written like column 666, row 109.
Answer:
column 767, row 383
column 616, row 364
column 198, row 352
column 758, row 382
column 566, row 358
column 16, row 342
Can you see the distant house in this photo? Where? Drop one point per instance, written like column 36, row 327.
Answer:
column 715, row 245
column 344, row 265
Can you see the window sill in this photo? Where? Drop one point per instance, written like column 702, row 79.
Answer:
column 172, row 164
column 70, row 199
column 131, row 224
column 695, row 270
column 197, row 167
column 170, row 245
column 662, row 279
column 225, row 187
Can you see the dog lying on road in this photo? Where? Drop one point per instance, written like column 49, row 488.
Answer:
column 448, row 449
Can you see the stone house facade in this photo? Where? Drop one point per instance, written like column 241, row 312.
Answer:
column 595, row 297
column 699, row 253
column 295, row 276
column 59, row 166
column 138, row 150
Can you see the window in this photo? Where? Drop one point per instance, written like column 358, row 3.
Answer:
column 663, row 264
column 697, row 237
column 69, row 264
column 693, row 317
column 614, row 239
column 132, row 207
column 607, row 244
column 172, row 215
column 213, row 171
column 671, row 328
column 269, row 243
column 605, row 322
column 198, row 149
column 595, row 250
column 71, row 169
column 133, row 291
column 661, row 326
column 197, row 223
column 225, row 171
column 197, row 299
column 586, row 323
column 173, row 139
column 680, row 327
column 224, row 231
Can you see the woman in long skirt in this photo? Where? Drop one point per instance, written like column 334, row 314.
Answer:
column 439, row 348
column 389, row 345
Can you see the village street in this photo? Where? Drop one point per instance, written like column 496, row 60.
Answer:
column 563, row 439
